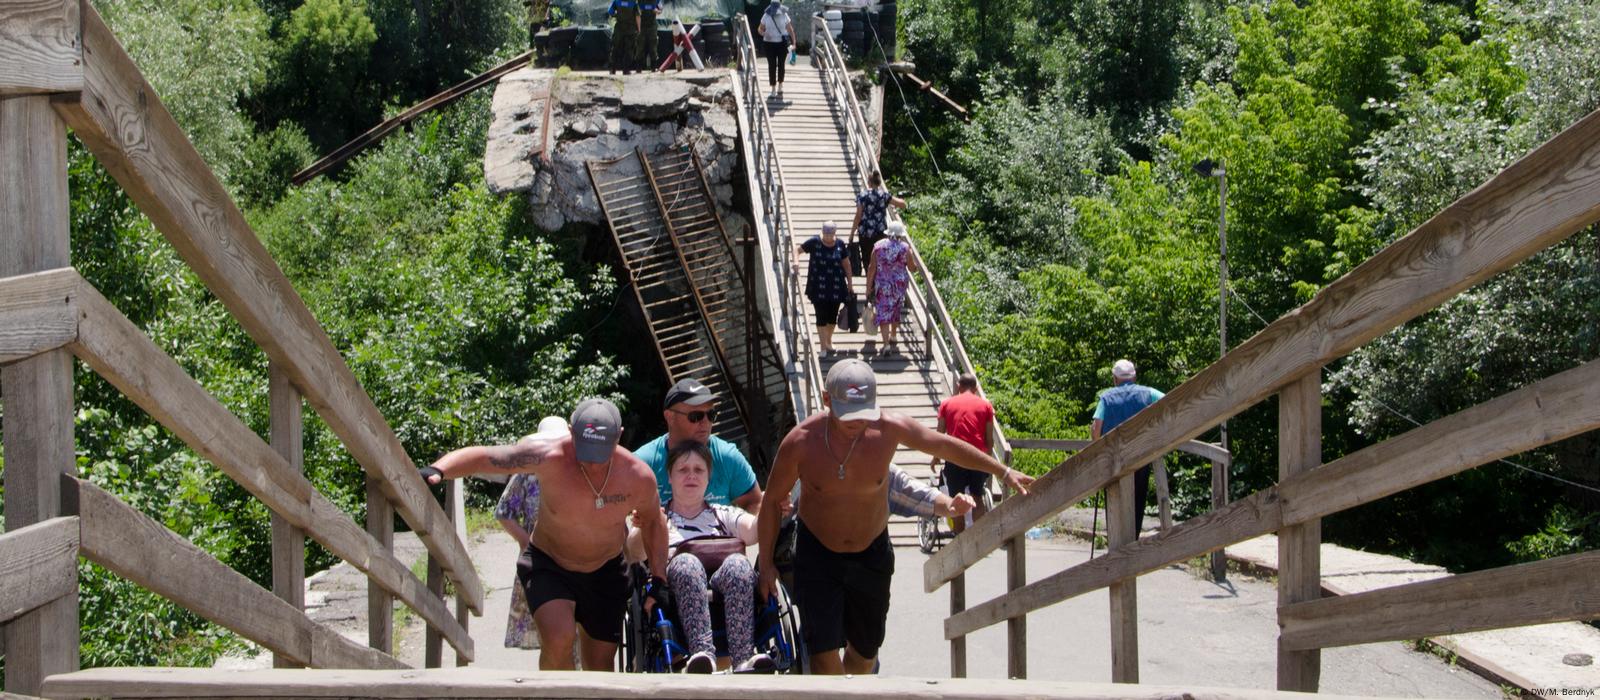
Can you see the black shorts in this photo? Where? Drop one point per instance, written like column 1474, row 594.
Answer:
column 827, row 312
column 960, row 480
column 601, row 595
column 843, row 596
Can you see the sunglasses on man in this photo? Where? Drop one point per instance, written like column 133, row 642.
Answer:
column 697, row 416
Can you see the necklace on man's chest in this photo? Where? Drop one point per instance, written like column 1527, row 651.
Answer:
column 599, row 500
column 827, row 428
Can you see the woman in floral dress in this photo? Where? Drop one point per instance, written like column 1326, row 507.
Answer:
column 888, row 276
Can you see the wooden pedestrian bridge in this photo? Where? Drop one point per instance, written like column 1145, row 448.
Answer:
column 61, row 68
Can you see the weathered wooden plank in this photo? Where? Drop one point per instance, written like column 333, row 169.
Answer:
column 123, row 122
column 1547, row 411
column 1299, row 545
column 37, row 391
column 38, row 565
column 1016, row 627
column 138, row 548
column 35, row 290
column 29, row 332
column 1553, row 590
column 958, row 644
column 380, row 605
column 39, row 47
column 1537, row 201
column 1197, row 448
column 288, row 541
column 519, row 683
column 1120, row 530
column 117, row 350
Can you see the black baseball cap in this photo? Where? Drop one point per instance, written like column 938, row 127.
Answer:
column 688, row 391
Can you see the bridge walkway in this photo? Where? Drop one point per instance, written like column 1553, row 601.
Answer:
column 822, row 180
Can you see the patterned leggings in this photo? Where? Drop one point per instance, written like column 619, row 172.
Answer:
column 736, row 580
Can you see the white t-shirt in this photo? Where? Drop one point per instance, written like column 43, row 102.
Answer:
column 775, row 26
column 715, row 521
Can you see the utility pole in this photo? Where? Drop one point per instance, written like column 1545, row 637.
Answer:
column 1219, row 472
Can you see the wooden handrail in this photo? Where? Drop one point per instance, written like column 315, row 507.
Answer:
column 144, row 551
column 1553, row 590
column 122, row 121
column 1537, row 201
column 806, row 374
column 36, row 314
column 118, row 351
column 38, row 564
column 1547, row 411
column 1210, row 451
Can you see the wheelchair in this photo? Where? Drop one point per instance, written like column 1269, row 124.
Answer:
column 653, row 641
column 933, row 531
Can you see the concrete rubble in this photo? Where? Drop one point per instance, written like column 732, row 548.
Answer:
column 548, row 124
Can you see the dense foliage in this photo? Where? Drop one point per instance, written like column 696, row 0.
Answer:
column 462, row 320
column 1068, row 226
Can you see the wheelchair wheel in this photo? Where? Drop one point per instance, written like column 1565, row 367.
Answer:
column 798, row 661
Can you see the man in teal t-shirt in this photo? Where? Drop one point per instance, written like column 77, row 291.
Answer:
column 690, row 409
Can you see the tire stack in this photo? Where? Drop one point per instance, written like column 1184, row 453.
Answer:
column 558, row 50
column 855, row 37
column 884, row 21
column 715, row 43
column 591, row 50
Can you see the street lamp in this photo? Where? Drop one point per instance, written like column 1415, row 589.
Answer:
column 1219, row 478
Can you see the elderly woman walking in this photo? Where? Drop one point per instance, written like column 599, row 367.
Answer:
column 888, row 276
column 872, row 216
column 827, row 280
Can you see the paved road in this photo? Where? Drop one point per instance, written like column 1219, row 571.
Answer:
column 1191, row 631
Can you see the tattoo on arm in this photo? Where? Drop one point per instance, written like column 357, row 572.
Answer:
column 515, row 457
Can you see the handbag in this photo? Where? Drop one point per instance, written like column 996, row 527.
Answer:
column 869, row 317
column 712, row 550
column 853, row 251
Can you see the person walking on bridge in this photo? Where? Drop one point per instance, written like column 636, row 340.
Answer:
column 872, row 217
column 572, row 570
column 777, row 40
column 967, row 416
column 1122, row 401
column 888, row 278
column 827, row 280
column 843, row 561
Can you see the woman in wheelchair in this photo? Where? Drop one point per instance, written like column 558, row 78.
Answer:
column 706, row 543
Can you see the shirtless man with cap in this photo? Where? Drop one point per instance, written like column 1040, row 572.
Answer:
column 572, row 570
column 843, row 560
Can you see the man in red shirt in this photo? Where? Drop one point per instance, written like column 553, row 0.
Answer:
column 966, row 417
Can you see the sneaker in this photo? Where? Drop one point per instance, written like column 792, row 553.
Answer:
column 701, row 662
column 759, row 663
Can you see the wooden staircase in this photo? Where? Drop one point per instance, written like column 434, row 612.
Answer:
column 686, row 276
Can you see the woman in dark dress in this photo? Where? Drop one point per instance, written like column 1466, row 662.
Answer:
column 827, row 280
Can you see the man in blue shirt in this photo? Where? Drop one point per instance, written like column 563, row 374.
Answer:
column 690, row 408
column 1116, row 406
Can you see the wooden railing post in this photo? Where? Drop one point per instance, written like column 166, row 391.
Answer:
column 1016, row 577
column 380, row 605
column 1017, row 627
column 1219, row 498
column 1299, row 560
column 288, row 541
column 958, row 645
column 457, row 508
column 34, row 236
column 433, row 639
column 1122, row 528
